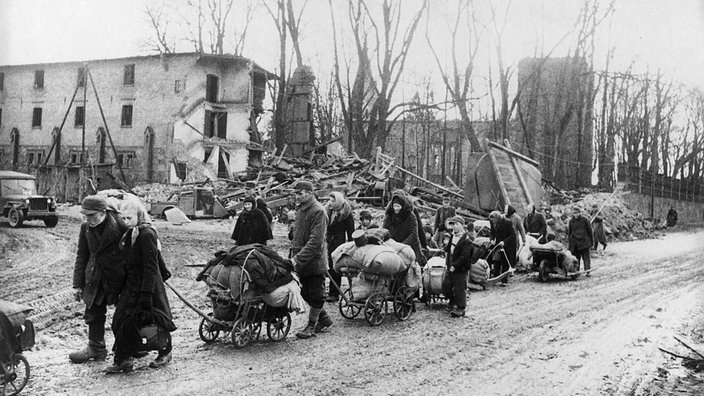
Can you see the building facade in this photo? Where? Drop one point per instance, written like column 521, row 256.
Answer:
column 169, row 118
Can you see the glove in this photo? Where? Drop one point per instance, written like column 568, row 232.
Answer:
column 78, row 294
column 452, row 269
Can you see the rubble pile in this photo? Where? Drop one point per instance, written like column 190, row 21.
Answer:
column 620, row 223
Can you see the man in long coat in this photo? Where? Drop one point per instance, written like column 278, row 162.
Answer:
column 503, row 235
column 579, row 232
column 98, row 274
column 309, row 256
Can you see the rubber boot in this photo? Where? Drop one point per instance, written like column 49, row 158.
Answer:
column 309, row 330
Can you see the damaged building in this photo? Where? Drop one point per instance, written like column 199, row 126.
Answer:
column 167, row 118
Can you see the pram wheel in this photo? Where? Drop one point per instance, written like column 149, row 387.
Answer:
column 347, row 309
column 375, row 309
column 277, row 329
column 16, row 381
column 543, row 274
column 242, row 332
column 403, row 303
column 207, row 330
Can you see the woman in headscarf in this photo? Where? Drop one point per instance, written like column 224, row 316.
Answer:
column 340, row 230
column 252, row 225
column 402, row 224
column 143, row 299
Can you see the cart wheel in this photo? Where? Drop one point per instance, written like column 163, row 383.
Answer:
column 21, row 376
column 242, row 332
column 375, row 309
column 207, row 330
column 543, row 274
column 574, row 276
column 403, row 304
column 279, row 326
column 347, row 309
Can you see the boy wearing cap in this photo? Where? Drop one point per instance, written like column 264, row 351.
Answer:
column 309, row 255
column 365, row 221
column 98, row 273
column 458, row 259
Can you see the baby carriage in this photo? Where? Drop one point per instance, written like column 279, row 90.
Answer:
column 16, row 336
column 240, row 308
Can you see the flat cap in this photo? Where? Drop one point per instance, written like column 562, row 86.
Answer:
column 303, row 185
column 93, row 204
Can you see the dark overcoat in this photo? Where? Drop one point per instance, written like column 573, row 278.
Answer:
column 504, row 232
column 252, row 227
column 100, row 264
column 579, row 232
column 403, row 227
column 461, row 258
column 309, row 251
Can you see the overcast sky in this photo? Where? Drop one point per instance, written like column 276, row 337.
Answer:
column 652, row 33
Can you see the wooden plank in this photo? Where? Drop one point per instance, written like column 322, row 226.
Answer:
column 511, row 152
column 497, row 173
column 439, row 187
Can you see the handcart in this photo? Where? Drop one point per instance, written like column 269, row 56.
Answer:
column 376, row 306
column 16, row 336
column 550, row 260
column 242, row 317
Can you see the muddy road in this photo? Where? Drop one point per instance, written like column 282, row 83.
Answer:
column 596, row 335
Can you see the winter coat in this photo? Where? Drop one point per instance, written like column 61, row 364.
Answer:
column 340, row 231
column 261, row 205
column 517, row 223
column 403, row 227
column 441, row 215
column 309, row 251
column 100, row 264
column 252, row 227
column 579, row 232
column 142, row 278
column 503, row 232
column 599, row 234
column 267, row 269
column 461, row 258
column 535, row 223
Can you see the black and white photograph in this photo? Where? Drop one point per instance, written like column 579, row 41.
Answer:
column 352, row 197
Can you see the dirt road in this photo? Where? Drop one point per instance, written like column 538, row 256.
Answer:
column 596, row 335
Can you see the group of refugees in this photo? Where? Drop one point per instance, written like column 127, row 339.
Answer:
column 118, row 262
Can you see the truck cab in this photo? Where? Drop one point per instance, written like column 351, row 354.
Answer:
column 21, row 202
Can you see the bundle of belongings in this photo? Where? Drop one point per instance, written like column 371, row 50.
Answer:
column 16, row 331
column 567, row 260
column 374, row 259
column 247, row 272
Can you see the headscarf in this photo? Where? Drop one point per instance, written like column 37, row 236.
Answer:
column 143, row 220
column 338, row 208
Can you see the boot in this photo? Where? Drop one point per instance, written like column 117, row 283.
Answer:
column 161, row 360
column 324, row 322
column 124, row 366
column 457, row 313
column 86, row 354
column 309, row 330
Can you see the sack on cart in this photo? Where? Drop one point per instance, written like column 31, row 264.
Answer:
column 434, row 275
column 479, row 272
column 405, row 251
column 288, row 295
column 382, row 260
column 362, row 287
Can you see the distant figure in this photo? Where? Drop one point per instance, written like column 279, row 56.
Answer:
column 671, row 217
column 503, row 235
column 535, row 224
column 441, row 215
column 599, row 234
column 250, row 190
column 579, row 232
column 340, row 229
column 252, row 225
column 365, row 221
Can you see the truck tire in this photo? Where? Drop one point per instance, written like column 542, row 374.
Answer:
column 51, row 222
column 15, row 217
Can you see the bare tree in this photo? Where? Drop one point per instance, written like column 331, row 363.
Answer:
column 381, row 46
column 465, row 37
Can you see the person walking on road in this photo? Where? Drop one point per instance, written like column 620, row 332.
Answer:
column 535, row 224
column 579, row 233
column 458, row 259
column 98, row 273
column 340, row 230
column 309, row 256
column 252, row 225
column 143, row 300
column 503, row 236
